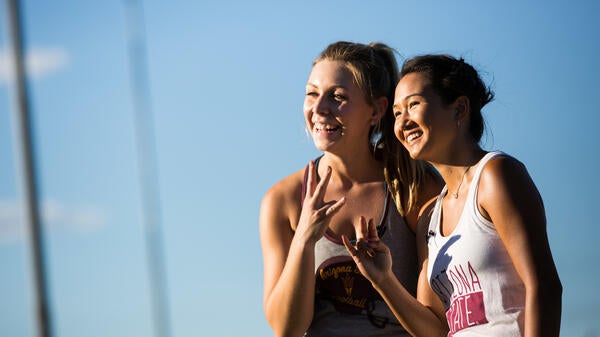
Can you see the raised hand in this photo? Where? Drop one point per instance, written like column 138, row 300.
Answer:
column 316, row 214
column 371, row 255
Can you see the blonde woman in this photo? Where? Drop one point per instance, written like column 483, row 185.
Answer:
column 312, row 286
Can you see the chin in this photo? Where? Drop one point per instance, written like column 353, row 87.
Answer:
column 416, row 154
column 322, row 146
column 412, row 152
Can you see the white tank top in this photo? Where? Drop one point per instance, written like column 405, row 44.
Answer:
column 472, row 273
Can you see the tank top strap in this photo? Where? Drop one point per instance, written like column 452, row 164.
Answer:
column 472, row 196
column 488, row 156
column 471, row 207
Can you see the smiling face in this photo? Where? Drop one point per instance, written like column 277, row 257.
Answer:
column 424, row 124
column 336, row 111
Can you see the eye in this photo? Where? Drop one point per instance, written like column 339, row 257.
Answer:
column 311, row 93
column 412, row 104
column 397, row 113
column 339, row 97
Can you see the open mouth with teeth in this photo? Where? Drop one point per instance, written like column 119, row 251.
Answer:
column 328, row 128
column 413, row 135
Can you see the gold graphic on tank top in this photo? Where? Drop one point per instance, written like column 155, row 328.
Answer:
column 341, row 283
column 348, row 283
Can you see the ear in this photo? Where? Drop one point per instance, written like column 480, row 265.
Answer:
column 462, row 108
column 381, row 105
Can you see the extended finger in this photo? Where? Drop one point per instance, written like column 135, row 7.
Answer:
column 335, row 207
column 362, row 235
column 362, row 229
column 373, row 235
column 311, row 179
column 322, row 185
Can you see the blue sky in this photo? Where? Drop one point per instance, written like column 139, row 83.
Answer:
column 227, row 81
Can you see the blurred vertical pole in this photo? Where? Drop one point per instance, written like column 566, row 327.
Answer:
column 147, row 166
column 26, row 160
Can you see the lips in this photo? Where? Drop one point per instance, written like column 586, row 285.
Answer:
column 321, row 127
column 411, row 136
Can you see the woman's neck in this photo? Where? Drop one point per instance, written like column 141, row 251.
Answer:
column 458, row 167
column 352, row 169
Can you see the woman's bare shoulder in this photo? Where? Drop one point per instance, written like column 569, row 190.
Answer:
column 286, row 189
column 283, row 201
column 502, row 170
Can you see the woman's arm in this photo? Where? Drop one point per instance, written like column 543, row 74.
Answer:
column 289, row 282
column 508, row 198
column 421, row 316
column 426, row 317
column 287, row 296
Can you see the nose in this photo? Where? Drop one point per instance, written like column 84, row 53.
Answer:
column 320, row 105
column 402, row 123
column 402, row 120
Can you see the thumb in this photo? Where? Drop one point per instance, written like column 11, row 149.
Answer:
column 349, row 247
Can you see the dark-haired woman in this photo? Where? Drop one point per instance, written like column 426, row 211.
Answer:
column 488, row 269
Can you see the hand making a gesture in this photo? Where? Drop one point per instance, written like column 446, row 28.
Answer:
column 316, row 213
column 371, row 255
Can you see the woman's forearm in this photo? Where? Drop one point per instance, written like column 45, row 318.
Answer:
column 543, row 309
column 289, row 308
column 418, row 319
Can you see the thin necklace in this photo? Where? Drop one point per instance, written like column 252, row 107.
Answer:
column 455, row 195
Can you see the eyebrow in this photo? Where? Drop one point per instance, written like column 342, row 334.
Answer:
column 397, row 105
column 336, row 86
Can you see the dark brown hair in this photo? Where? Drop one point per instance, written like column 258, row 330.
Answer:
column 451, row 78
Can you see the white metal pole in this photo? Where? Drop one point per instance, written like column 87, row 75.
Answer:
column 147, row 167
